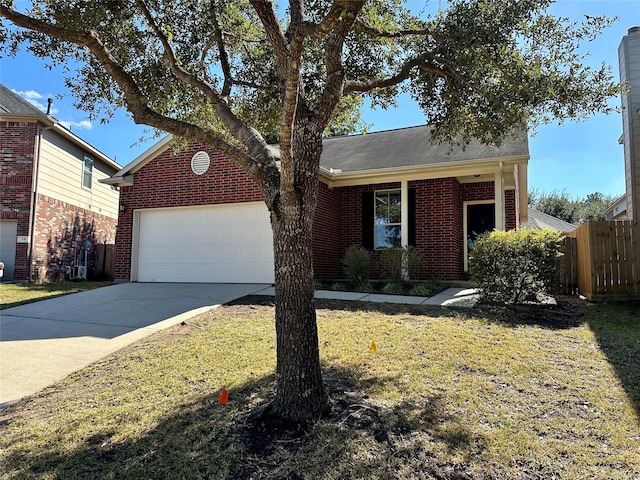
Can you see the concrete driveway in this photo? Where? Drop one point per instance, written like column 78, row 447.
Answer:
column 43, row 342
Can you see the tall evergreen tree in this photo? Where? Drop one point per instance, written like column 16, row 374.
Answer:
column 233, row 74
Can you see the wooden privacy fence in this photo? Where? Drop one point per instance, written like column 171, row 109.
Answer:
column 602, row 260
column 105, row 261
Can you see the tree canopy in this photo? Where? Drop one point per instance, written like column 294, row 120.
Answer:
column 573, row 210
column 236, row 74
column 476, row 69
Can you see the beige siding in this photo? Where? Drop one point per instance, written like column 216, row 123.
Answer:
column 60, row 176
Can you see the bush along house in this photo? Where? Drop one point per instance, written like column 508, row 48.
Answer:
column 194, row 216
column 54, row 209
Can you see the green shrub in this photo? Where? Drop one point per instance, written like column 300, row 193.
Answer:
column 516, row 266
column 365, row 287
column 426, row 289
column 338, row 287
column 399, row 264
column 394, row 288
column 357, row 265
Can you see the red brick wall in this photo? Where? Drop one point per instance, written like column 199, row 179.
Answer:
column 327, row 233
column 17, row 152
column 168, row 181
column 61, row 229
column 477, row 191
column 439, row 228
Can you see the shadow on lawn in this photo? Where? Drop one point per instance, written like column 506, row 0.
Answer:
column 617, row 330
column 206, row 439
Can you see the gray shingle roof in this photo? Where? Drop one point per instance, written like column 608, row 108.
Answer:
column 12, row 103
column 407, row 147
column 539, row 221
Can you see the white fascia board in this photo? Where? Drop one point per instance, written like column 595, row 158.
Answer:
column 125, row 181
column 145, row 157
column 419, row 172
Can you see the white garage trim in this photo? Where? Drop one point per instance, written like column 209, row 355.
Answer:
column 230, row 243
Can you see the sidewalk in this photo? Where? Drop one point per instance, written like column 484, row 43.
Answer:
column 451, row 297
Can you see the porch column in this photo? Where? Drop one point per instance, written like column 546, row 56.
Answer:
column 499, row 198
column 404, row 213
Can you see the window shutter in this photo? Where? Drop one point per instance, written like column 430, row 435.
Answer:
column 412, row 217
column 367, row 220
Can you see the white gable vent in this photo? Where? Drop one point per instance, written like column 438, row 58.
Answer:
column 200, row 163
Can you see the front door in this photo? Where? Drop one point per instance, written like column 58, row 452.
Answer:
column 481, row 217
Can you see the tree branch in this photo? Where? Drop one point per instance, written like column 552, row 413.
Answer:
column 249, row 137
column 274, row 34
column 224, row 58
column 425, row 62
column 334, row 85
column 260, row 162
column 329, row 22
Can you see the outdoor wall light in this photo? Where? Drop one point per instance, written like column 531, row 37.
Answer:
column 123, row 208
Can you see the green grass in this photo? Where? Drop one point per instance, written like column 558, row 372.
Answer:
column 12, row 295
column 448, row 395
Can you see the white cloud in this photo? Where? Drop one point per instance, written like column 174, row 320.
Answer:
column 81, row 125
column 39, row 101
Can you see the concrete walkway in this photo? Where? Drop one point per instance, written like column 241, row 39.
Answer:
column 43, row 342
column 451, row 297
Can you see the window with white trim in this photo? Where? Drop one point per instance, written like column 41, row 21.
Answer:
column 87, row 172
column 387, row 219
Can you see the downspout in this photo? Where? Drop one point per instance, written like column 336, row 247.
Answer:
column 499, row 198
column 404, row 222
column 34, row 210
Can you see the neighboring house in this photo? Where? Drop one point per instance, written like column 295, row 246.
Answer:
column 629, row 63
column 195, row 216
column 617, row 210
column 541, row 221
column 54, row 209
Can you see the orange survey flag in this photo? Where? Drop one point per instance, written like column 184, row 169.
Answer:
column 224, row 397
column 373, row 347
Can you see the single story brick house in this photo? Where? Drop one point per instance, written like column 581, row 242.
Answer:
column 54, row 209
column 194, row 216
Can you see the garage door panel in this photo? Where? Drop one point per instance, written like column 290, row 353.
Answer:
column 8, row 236
column 230, row 243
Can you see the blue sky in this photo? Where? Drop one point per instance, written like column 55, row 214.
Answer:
column 579, row 158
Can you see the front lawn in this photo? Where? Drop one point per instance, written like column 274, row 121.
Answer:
column 12, row 294
column 448, row 395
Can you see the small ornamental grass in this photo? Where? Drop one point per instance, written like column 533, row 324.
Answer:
column 516, row 266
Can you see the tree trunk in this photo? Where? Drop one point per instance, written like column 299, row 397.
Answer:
column 300, row 393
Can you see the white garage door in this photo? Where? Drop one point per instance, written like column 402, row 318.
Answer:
column 8, row 231
column 219, row 244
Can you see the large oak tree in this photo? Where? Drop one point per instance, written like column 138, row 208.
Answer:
column 234, row 74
